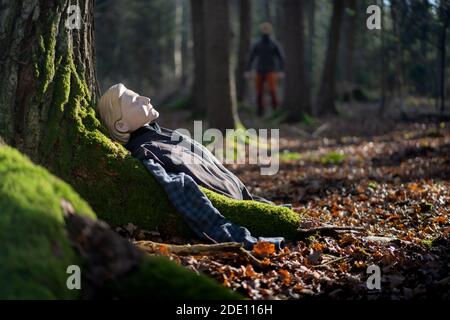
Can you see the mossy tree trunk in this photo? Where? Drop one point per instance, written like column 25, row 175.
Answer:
column 47, row 105
column 47, row 100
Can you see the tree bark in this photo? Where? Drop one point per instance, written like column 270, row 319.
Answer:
column 32, row 33
column 220, row 95
column 326, row 103
column 245, row 34
column 198, row 99
column 296, row 93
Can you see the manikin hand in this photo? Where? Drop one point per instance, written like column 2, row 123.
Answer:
column 137, row 111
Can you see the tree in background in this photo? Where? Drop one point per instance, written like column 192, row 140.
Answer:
column 444, row 21
column 198, row 95
column 310, row 13
column 396, row 8
column 296, row 93
column 220, row 95
column 349, row 33
column 245, row 35
column 326, row 104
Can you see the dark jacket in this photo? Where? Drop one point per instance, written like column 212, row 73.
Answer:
column 176, row 155
column 268, row 54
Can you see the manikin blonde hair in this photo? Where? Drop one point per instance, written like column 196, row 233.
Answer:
column 110, row 112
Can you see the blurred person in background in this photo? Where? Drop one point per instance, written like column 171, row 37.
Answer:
column 269, row 66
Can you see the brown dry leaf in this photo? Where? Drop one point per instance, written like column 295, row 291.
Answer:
column 265, row 262
column 440, row 219
column 343, row 266
column 264, row 248
column 249, row 271
column 287, row 278
column 163, row 250
column 317, row 246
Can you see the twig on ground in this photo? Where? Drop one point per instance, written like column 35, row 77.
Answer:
column 198, row 249
column 325, row 264
column 326, row 230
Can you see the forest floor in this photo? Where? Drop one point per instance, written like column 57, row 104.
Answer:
column 390, row 178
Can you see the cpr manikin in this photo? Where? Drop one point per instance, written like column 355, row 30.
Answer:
column 130, row 120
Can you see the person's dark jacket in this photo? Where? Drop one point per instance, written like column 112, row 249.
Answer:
column 268, row 54
column 177, row 155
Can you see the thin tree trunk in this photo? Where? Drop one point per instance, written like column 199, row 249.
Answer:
column 326, row 104
column 220, row 99
column 382, row 108
column 245, row 27
column 311, row 10
column 198, row 34
column 444, row 12
column 350, row 33
column 267, row 11
column 185, row 40
column 399, row 73
column 296, row 94
column 178, row 39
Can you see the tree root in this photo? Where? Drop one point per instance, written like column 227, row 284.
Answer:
column 326, row 230
column 151, row 247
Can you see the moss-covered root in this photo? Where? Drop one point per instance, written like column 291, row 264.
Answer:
column 260, row 218
column 151, row 281
column 35, row 249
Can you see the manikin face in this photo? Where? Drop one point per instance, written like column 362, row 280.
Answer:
column 137, row 111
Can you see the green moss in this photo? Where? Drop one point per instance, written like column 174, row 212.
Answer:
column 260, row 218
column 46, row 54
column 290, row 156
column 35, row 251
column 159, row 278
column 332, row 158
column 427, row 243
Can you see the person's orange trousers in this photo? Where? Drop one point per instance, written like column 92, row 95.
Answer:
column 261, row 78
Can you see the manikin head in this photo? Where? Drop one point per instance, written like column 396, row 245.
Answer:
column 123, row 111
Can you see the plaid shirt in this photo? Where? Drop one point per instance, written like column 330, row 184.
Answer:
column 198, row 211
